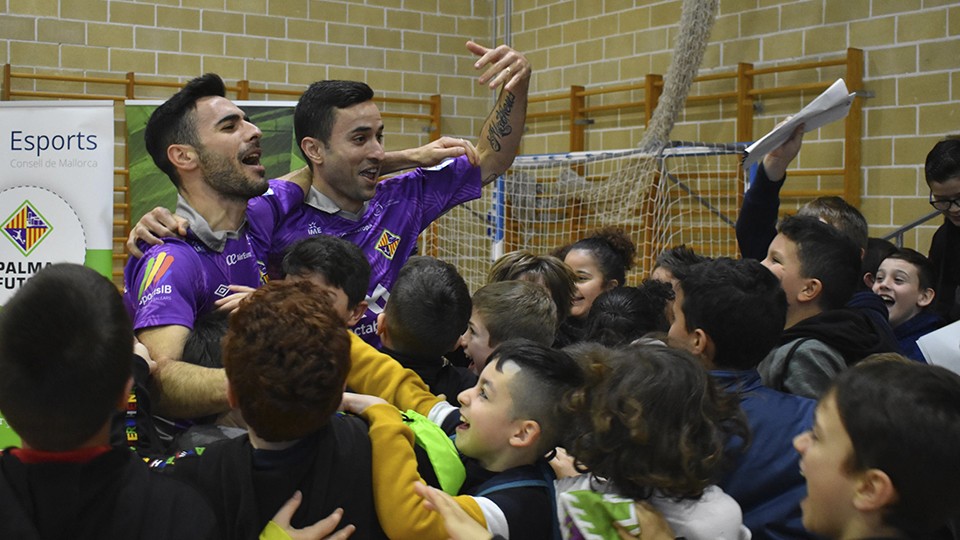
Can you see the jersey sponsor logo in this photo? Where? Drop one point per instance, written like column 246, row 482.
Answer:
column 313, row 229
column 234, row 258
column 388, row 243
column 26, row 228
column 154, row 278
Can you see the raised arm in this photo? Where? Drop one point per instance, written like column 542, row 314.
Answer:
column 501, row 132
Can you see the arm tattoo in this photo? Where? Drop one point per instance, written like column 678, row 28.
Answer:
column 501, row 127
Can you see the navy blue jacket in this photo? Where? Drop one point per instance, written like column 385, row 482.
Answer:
column 766, row 480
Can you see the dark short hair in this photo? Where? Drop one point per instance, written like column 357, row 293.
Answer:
column 516, row 309
column 204, row 344
column 943, row 162
column 678, row 259
column 546, row 377
column 827, row 255
column 547, row 270
column 714, row 290
column 841, row 214
column 315, row 113
column 926, row 273
column 340, row 262
column 623, row 315
column 66, row 344
column 877, row 250
column 651, row 420
column 287, row 355
column 429, row 308
column 611, row 248
column 904, row 418
column 174, row 121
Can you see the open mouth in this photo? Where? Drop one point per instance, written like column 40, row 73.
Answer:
column 371, row 174
column 888, row 300
column 463, row 423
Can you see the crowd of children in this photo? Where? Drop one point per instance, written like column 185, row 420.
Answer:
column 761, row 398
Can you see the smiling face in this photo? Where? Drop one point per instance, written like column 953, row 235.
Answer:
column 948, row 190
column 229, row 150
column 590, row 281
column 898, row 284
column 825, row 453
column 351, row 159
column 476, row 343
column 783, row 260
column 487, row 416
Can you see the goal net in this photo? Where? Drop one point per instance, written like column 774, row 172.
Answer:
column 684, row 193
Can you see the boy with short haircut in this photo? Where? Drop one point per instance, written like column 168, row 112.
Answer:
column 942, row 172
column 508, row 310
column 507, row 423
column 286, row 356
column 60, row 395
column 428, row 311
column 905, row 283
column 335, row 265
column 881, row 460
column 819, row 268
column 765, row 478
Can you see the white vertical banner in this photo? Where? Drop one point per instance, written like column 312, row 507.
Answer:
column 56, row 187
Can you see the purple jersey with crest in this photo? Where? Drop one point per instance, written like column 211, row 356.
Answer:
column 386, row 232
column 178, row 281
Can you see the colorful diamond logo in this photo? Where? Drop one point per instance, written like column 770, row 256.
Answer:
column 26, row 228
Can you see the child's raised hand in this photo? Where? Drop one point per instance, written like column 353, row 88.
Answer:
column 357, row 403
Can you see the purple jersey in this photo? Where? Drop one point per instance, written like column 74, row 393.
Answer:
column 386, row 228
column 178, row 281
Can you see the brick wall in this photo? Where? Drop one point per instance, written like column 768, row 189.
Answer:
column 912, row 57
column 403, row 46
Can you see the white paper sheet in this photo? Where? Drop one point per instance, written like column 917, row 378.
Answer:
column 830, row 106
column 942, row 347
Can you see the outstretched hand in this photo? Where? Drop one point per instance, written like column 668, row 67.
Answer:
column 443, row 148
column 504, row 66
column 459, row 524
column 318, row 531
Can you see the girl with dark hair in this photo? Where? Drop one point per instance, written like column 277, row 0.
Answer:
column 600, row 263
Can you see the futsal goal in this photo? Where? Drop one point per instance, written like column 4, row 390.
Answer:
column 684, row 193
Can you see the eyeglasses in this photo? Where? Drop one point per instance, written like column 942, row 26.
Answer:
column 944, row 205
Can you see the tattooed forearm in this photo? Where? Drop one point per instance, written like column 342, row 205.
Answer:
column 500, row 127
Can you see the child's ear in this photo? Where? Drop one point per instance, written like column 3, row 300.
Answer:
column 869, row 280
column 926, row 297
column 357, row 313
column 527, row 434
column 611, row 284
column 811, row 290
column 704, row 347
column 875, row 491
column 381, row 322
column 232, row 397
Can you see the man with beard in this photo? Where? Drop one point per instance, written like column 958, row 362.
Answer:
column 340, row 132
column 211, row 153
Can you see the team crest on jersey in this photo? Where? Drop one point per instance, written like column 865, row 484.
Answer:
column 388, row 244
column 154, row 277
column 26, row 228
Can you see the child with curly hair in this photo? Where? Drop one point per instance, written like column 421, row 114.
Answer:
column 652, row 426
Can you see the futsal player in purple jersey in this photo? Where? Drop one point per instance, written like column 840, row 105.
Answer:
column 211, row 153
column 340, row 130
